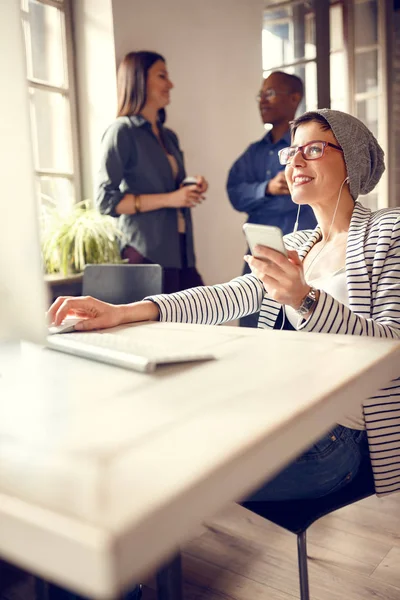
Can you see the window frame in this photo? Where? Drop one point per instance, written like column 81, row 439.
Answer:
column 68, row 90
column 386, row 189
column 322, row 46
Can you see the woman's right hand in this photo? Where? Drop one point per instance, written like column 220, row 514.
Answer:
column 188, row 196
column 96, row 314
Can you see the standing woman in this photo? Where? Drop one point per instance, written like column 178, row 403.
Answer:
column 141, row 173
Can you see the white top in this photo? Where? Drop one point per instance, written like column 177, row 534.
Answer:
column 175, row 169
column 335, row 285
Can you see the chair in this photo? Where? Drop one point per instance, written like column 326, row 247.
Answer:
column 122, row 284
column 297, row 515
column 294, row 515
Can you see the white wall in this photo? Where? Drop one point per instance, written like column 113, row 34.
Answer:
column 95, row 79
column 213, row 52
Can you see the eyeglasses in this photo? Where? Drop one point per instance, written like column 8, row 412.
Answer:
column 270, row 93
column 311, row 151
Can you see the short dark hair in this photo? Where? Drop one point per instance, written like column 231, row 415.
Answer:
column 309, row 117
column 294, row 83
column 132, row 82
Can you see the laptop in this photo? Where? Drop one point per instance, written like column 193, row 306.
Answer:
column 122, row 284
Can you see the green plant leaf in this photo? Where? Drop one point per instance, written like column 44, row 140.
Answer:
column 82, row 237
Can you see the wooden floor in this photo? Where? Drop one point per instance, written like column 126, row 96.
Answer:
column 354, row 554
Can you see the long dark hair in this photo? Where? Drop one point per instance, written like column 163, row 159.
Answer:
column 132, row 82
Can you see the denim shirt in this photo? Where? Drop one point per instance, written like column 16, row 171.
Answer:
column 247, row 182
column 134, row 162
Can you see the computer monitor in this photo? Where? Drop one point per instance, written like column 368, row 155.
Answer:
column 22, row 289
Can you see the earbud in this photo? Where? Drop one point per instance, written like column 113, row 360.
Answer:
column 347, row 180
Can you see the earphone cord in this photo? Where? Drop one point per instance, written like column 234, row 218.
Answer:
column 296, row 225
column 318, row 255
column 283, row 317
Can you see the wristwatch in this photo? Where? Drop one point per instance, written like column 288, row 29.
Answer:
column 308, row 303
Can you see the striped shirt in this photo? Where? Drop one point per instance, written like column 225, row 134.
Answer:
column 373, row 282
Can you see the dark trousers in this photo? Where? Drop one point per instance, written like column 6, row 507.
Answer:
column 174, row 280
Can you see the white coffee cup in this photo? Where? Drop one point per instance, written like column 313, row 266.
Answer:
column 189, row 181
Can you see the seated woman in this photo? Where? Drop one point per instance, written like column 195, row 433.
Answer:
column 341, row 278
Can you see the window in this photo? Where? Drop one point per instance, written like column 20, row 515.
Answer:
column 368, row 94
column 338, row 62
column 355, row 59
column 48, row 42
column 288, row 44
column 395, row 114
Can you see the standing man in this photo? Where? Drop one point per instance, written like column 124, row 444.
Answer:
column 256, row 182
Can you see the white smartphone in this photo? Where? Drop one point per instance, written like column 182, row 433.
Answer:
column 264, row 235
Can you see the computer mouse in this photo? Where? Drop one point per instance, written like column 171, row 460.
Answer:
column 66, row 326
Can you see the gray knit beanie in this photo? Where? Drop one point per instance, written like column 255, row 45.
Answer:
column 363, row 155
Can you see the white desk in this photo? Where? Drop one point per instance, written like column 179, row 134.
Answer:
column 104, row 472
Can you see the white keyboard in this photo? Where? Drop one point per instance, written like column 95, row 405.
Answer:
column 125, row 351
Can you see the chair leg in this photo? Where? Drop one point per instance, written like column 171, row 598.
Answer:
column 41, row 589
column 169, row 580
column 303, row 569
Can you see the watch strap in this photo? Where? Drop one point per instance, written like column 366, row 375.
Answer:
column 308, row 303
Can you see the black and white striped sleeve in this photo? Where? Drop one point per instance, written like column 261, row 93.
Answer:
column 331, row 316
column 212, row 305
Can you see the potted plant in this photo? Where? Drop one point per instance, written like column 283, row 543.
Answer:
column 82, row 236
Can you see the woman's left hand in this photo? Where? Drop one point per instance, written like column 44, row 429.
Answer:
column 283, row 278
column 202, row 183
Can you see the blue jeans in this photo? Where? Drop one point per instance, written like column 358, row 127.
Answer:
column 325, row 467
